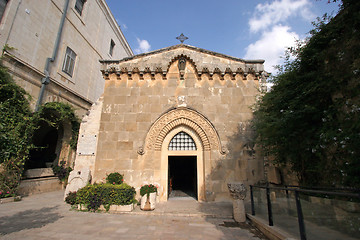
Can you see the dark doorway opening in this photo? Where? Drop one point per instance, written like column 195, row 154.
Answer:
column 45, row 154
column 182, row 176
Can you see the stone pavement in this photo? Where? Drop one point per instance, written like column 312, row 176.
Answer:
column 45, row 216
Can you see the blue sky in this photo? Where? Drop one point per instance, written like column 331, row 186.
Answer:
column 244, row 29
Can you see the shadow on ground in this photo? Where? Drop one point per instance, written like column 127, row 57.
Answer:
column 225, row 222
column 28, row 219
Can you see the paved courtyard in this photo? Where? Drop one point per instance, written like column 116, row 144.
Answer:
column 45, row 216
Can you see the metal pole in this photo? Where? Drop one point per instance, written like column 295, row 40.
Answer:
column 287, row 192
column 300, row 216
column 252, row 201
column 269, row 206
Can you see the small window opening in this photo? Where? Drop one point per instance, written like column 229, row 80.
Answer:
column 112, row 46
column 3, row 4
column 79, row 6
column 69, row 61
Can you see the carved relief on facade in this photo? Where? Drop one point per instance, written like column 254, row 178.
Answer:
column 183, row 116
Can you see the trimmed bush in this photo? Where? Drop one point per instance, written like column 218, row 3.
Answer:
column 105, row 194
column 71, row 198
column 115, row 178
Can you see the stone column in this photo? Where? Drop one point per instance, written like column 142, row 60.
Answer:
column 238, row 193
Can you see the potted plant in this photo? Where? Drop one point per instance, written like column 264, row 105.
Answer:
column 148, row 197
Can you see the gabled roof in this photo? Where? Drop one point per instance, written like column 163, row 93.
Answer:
column 203, row 61
column 183, row 46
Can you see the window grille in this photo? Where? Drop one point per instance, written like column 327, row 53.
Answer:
column 182, row 142
column 69, row 61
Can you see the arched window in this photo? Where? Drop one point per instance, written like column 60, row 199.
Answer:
column 182, row 142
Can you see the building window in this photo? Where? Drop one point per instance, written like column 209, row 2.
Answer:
column 182, row 142
column 69, row 62
column 79, row 5
column 3, row 4
column 112, row 45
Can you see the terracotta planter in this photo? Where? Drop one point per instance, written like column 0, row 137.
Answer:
column 148, row 203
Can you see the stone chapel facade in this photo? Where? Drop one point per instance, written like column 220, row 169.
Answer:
column 173, row 117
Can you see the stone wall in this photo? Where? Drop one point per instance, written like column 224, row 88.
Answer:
column 31, row 29
column 135, row 99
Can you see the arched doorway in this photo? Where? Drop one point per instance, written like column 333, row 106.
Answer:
column 182, row 156
column 182, row 174
column 157, row 142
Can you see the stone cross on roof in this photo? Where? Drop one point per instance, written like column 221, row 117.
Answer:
column 182, row 38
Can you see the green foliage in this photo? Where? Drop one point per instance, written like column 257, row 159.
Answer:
column 310, row 119
column 6, row 194
column 71, row 198
column 115, row 178
column 16, row 129
column 61, row 171
column 106, row 194
column 147, row 189
column 55, row 114
column 18, row 124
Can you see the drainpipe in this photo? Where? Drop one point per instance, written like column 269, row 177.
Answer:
column 46, row 80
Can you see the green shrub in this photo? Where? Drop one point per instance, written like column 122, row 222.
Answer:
column 9, row 181
column 62, row 172
column 106, row 194
column 147, row 189
column 115, row 178
column 71, row 198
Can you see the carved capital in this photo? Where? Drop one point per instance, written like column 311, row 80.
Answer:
column 237, row 190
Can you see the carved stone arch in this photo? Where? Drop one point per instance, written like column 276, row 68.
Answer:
column 187, row 117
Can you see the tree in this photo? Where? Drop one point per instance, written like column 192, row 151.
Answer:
column 310, row 119
column 16, row 130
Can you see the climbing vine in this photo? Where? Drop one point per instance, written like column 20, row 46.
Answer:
column 18, row 124
column 55, row 114
column 16, row 129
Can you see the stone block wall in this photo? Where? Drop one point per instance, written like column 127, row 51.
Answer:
column 133, row 102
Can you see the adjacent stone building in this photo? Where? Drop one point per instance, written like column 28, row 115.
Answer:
column 30, row 29
column 178, row 118
column 52, row 49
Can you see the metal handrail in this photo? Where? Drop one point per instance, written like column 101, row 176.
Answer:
column 356, row 195
column 349, row 189
column 296, row 190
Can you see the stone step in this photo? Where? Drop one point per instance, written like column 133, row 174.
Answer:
column 39, row 185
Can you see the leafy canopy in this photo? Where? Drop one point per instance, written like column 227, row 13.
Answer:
column 310, row 119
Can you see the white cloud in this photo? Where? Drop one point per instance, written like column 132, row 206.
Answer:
column 271, row 45
column 143, row 47
column 124, row 26
column 279, row 11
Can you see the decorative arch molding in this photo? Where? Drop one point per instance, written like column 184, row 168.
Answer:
column 182, row 56
column 182, row 116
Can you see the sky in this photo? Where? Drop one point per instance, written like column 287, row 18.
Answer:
column 247, row 29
